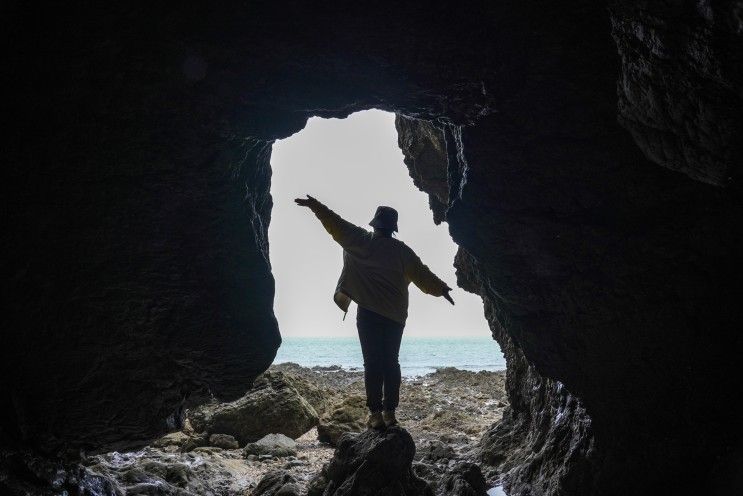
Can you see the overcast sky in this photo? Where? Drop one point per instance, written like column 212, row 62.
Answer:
column 353, row 165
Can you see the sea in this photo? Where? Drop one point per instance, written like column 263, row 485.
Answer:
column 418, row 356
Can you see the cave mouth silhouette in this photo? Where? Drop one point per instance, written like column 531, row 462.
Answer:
column 353, row 165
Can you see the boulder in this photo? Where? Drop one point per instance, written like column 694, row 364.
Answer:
column 180, row 441
column 176, row 439
column 277, row 445
column 195, row 441
column 272, row 406
column 277, row 483
column 321, row 399
column 224, row 441
column 375, row 462
column 464, row 479
column 347, row 416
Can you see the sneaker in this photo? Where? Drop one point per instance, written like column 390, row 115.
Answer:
column 389, row 418
column 375, row 421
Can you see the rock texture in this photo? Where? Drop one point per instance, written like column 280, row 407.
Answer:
column 426, row 158
column 545, row 430
column 464, row 479
column 374, row 462
column 277, row 445
column 277, row 483
column 679, row 84
column 224, row 441
column 593, row 173
column 349, row 415
column 272, row 406
column 449, row 406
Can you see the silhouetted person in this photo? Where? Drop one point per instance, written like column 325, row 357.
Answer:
column 377, row 270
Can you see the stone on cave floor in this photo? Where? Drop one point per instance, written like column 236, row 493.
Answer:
column 273, row 405
column 349, row 415
column 195, row 441
column 180, row 441
column 433, row 450
column 277, row 483
column 374, row 462
column 176, row 439
column 224, row 441
column 463, row 479
column 272, row 445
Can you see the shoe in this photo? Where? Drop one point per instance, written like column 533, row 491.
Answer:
column 375, row 420
column 389, row 418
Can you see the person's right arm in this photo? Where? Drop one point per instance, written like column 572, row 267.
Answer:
column 351, row 237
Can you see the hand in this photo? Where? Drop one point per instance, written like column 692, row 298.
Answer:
column 448, row 296
column 305, row 202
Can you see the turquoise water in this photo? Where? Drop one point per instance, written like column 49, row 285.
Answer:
column 418, row 356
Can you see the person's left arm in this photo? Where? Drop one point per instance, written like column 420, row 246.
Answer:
column 419, row 274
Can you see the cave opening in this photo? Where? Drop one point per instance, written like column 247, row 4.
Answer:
column 453, row 370
column 353, row 165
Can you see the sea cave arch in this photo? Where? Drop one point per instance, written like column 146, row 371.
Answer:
column 593, row 187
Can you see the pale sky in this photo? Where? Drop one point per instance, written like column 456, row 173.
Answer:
column 353, row 165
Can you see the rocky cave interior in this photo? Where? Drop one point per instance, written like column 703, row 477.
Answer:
column 592, row 157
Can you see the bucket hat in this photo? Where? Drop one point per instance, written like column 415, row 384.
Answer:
column 385, row 218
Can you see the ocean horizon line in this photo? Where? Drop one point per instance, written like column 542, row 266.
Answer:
column 354, row 336
column 418, row 355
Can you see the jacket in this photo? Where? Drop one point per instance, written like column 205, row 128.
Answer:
column 376, row 269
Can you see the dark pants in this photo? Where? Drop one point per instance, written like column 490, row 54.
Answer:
column 380, row 344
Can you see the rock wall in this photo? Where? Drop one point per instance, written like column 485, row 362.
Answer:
column 137, row 198
column 138, row 271
column 679, row 84
column 544, row 444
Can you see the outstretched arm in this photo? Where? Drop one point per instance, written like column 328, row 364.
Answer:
column 420, row 275
column 348, row 235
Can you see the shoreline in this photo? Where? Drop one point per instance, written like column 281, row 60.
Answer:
column 405, row 377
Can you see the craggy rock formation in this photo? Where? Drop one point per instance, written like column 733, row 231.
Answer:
column 593, row 173
column 374, row 462
column 425, row 155
column 544, row 442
